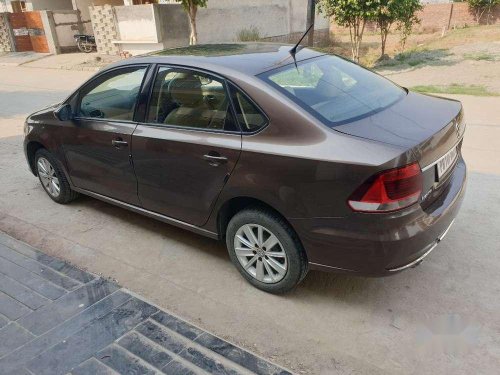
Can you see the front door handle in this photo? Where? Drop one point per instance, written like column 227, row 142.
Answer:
column 119, row 143
column 215, row 158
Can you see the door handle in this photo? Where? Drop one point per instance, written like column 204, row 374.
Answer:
column 215, row 159
column 119, row 143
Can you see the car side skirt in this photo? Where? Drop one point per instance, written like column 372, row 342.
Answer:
column 154, row 215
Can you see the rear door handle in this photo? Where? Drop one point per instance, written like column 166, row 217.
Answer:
column 119, row 143
column 215, row 158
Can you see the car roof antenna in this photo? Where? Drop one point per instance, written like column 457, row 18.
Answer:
column 298, row 47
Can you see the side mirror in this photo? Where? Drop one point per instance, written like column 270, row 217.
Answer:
column 63, row 113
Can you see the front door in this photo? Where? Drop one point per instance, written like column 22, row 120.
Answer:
column 188, row 146
column 98, row 144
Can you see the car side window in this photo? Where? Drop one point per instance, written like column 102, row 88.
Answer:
column 249, row 116
column 112, row 96
column 190, row 99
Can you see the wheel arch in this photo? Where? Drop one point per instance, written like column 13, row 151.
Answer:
column 236, row 204
column 31, row 148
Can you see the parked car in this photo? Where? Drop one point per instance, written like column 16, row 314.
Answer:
column 314, row 164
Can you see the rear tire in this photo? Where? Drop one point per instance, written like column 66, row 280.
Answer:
column 266, row 250
column 52, row 178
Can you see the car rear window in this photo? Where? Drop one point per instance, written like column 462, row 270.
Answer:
column 335, row 90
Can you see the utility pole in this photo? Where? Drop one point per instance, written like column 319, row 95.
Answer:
column 311, row 12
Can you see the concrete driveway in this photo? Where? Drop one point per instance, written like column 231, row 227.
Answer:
column 441, row 317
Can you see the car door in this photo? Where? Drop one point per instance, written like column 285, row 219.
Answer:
column 188, row 145
column 97, row 145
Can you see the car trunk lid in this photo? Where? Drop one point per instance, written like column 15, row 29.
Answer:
column 429, row 126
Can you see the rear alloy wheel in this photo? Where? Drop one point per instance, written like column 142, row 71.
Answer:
column 52, row 178
column 260, row 253
column 266, row 250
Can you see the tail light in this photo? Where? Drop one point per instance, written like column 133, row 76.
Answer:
column 389, row 190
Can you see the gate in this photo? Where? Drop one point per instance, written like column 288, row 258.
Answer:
column 29, row 34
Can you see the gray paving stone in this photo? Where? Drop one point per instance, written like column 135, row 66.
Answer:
column 37, row 346
column 177, row 368
column 177, row 325
column 208, row 363
column 140, row 346
column 12, row 337
column 37, row 268
column 21, row 293
column 3, row 321
column 122, row 362
column 162, row 337
column 239, row 356
column 11, row 308
column 93, row 367
column 85, row 343
column 29, row 279
column 59, row 265
column 67, row 306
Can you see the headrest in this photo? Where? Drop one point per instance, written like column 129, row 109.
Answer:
column 185, row 89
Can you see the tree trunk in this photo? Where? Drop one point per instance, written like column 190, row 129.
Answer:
column 383, row 33
column 311, row 9
column 193, row 37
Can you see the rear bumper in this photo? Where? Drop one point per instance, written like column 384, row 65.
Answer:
column 382, row 244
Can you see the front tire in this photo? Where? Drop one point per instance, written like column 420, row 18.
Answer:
column 266, row 250
column 52, row 178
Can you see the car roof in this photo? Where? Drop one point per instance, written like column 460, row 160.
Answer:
column 247, row 58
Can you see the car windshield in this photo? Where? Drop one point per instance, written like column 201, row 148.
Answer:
column 335, row 90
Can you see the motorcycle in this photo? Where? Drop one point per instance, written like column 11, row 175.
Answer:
column 85, row 43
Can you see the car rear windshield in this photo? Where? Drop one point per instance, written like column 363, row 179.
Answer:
column 335, row 90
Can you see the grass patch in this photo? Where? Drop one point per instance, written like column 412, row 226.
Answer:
column 415, row 57
column 249, row 35
column 477, row 90
column 479, row 56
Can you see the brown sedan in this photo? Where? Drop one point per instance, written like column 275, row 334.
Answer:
column 318, row 164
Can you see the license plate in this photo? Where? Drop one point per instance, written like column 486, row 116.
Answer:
column 445, row 163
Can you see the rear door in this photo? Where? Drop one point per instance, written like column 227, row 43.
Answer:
column 97, row 144
column 188, row 145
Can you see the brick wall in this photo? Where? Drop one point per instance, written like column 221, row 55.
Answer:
column 105, row 30
column 5, row 36
column 436, row 16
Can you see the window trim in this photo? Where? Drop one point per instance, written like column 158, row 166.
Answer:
column 255, row 104
column 227, row 83
column 78, row 97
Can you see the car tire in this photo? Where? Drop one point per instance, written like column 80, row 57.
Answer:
column 51, row 175
column 287, row 251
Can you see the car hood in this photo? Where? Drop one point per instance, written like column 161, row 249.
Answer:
column 407, row 123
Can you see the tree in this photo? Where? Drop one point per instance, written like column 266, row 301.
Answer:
column 479, row 7
column 191, row 8
column 401, row 12
column 407, row 18
column 352, row 14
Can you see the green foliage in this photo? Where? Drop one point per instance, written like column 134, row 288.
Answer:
column 249, row 35
column 401, row 12
column 407, row 18
column 188, row 4
column 352, row 14
column 480, row 7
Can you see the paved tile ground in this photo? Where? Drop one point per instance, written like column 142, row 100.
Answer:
column 57, row 319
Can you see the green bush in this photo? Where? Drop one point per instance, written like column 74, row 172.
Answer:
column 249, row 35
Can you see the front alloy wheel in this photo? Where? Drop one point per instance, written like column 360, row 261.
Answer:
column 48, row 177
column 260, row 253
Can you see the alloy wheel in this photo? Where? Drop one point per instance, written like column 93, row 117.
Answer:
column 260, row 253
column 48, row 177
